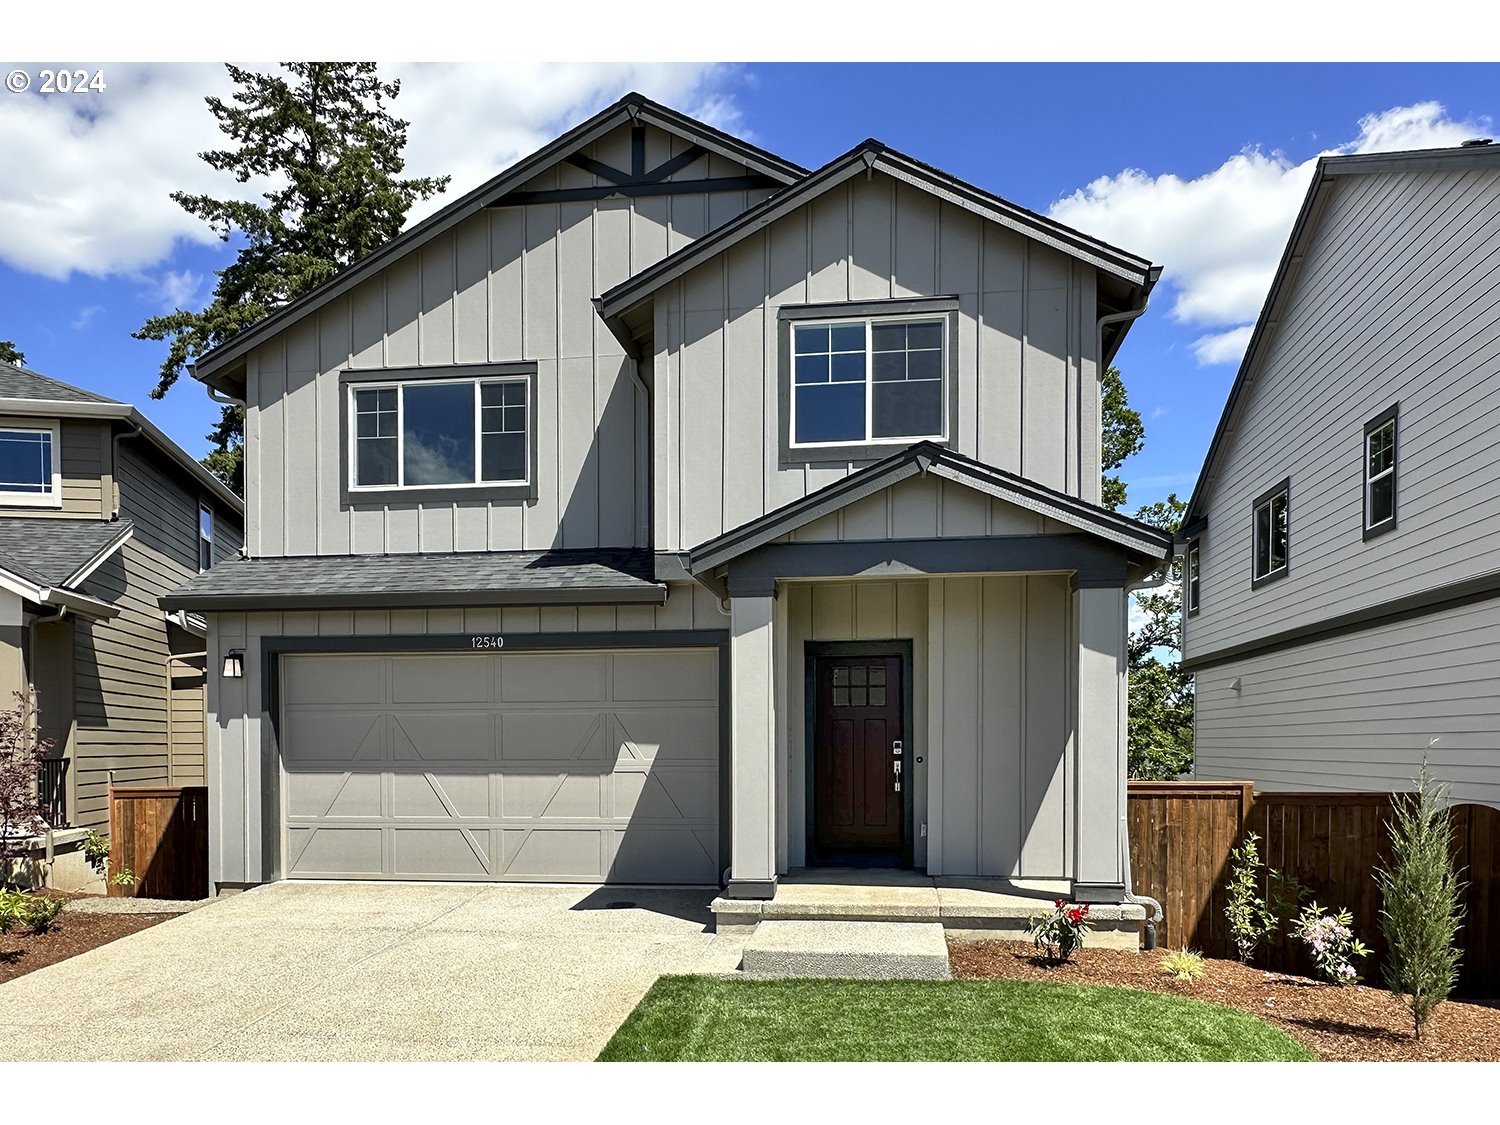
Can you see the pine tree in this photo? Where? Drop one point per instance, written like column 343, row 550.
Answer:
column 323, row 135
column 1122, row 434
column 9, row 353
column 1423, row 905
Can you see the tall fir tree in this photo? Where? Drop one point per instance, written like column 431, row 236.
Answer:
column 1122, row 434
column 9, row 353
column 324, row 137
column 1160, row 737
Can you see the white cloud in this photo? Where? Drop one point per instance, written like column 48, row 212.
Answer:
column 1221, row 234
column 99, row 167
column 177, row 289
column 85, row 315
column 1223, row 347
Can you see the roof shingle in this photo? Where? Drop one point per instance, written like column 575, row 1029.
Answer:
column 49, row 551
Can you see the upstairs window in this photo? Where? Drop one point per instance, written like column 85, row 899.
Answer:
column 860, row 379
column 1190, row 578
column 205, row 538
column 461, row 436
column 1380, row 473
column 28, row 466
column 1271, row 534
column 868, row 381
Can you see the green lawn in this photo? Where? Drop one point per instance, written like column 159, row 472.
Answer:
column 711, row 1019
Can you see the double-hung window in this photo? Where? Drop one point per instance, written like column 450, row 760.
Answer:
column 1271, row 533
column 29, row 475
column 1380, row 473
column 435, row 434
column 860, row 376
column 205, row 537
column 1190, row 578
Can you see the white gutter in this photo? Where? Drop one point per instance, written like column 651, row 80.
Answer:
column 54, row 596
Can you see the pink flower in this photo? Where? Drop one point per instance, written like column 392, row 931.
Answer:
column 1060, row 903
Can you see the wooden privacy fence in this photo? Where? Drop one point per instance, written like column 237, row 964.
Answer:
column 1181, row 834
column 159, row 833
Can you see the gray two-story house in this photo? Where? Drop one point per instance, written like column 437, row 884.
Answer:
column 100, row 515
column 1343, row 578
column 663, row 512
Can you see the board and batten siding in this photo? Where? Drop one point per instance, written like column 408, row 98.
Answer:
column 925, row 507
column 513, row 283
column 1028, row 398
column 242, row 743
column 1398, row 300
column 1357, row 712
column 994, row 664
column 120, row 666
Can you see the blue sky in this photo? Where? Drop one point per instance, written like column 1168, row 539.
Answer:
column 1200, row 167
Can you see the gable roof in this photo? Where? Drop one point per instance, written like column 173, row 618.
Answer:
column 53, row 552
column 25, row 392
column 20, row 382
column 216, row 366
column 1135, row 274
column 928, row 457
column 1329, row 170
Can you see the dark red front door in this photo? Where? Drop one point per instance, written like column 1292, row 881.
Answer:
column 858, row 798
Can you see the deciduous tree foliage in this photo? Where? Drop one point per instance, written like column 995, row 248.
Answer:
column 321, row 135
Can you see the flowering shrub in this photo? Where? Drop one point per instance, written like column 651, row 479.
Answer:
column 1330, row 937
column 1060, row 932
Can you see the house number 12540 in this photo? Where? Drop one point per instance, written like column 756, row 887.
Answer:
column 488, row 642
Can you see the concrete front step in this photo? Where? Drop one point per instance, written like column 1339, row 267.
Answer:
column 851, row 950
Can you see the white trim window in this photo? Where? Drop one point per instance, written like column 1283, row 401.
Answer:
column 869, row 381
column 1272, row 534
column 1380, row 476
column 1191, row 573
column 30, row 475
column 205, row 537
column 439, row 433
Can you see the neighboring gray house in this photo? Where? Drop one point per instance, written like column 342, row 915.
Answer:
column 661, row 511
column 1343, row 586
column 100, row 515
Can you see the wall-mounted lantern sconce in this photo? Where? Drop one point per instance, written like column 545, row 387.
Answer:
column 234, row 664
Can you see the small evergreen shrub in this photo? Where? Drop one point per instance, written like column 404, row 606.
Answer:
column 1330, row 938
column 1185, row 965
column 1423, row 905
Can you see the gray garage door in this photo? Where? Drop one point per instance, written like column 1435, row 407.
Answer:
column 577, row 767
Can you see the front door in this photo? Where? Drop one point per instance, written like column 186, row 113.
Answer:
column 860, row 766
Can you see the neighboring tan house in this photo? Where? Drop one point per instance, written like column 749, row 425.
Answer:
column 101, row 514
column 663, row 512
column 1343, row 586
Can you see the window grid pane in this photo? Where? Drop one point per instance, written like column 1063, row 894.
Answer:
column 843, row 394
column 26, row 461
column 376, row 441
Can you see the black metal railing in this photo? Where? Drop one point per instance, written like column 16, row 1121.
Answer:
column 53, row 785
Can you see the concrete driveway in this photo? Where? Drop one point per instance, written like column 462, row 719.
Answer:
column 359, row 971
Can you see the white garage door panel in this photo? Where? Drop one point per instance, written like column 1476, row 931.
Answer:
column 588, row 766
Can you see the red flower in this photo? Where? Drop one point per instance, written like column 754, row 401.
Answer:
column 1075, row 915
column 1060, row 903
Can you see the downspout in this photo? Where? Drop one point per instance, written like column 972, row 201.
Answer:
column 114, row 465
column 1157, row 915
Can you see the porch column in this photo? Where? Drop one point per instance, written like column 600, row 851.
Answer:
column 752, row 742
column 1099, row 860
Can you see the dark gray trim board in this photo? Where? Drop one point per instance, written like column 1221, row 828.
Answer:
column 273, row 648
column 216, row 367
column 1095, row 563
column 1277, row 489
column 394, row 497
column 670, row 187
column 1456, row 595
column 1391, row 413
column 655, row 594
column 902, row 648
column 947, row 307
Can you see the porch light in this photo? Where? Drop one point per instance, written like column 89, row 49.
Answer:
column 234, row 664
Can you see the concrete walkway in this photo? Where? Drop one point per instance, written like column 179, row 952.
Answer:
column 354, row 972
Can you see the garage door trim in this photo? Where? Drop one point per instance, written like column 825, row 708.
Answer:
column 273, row 648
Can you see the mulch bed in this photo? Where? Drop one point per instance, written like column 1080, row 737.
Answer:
column 1355, row 1023
column 73, row 933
